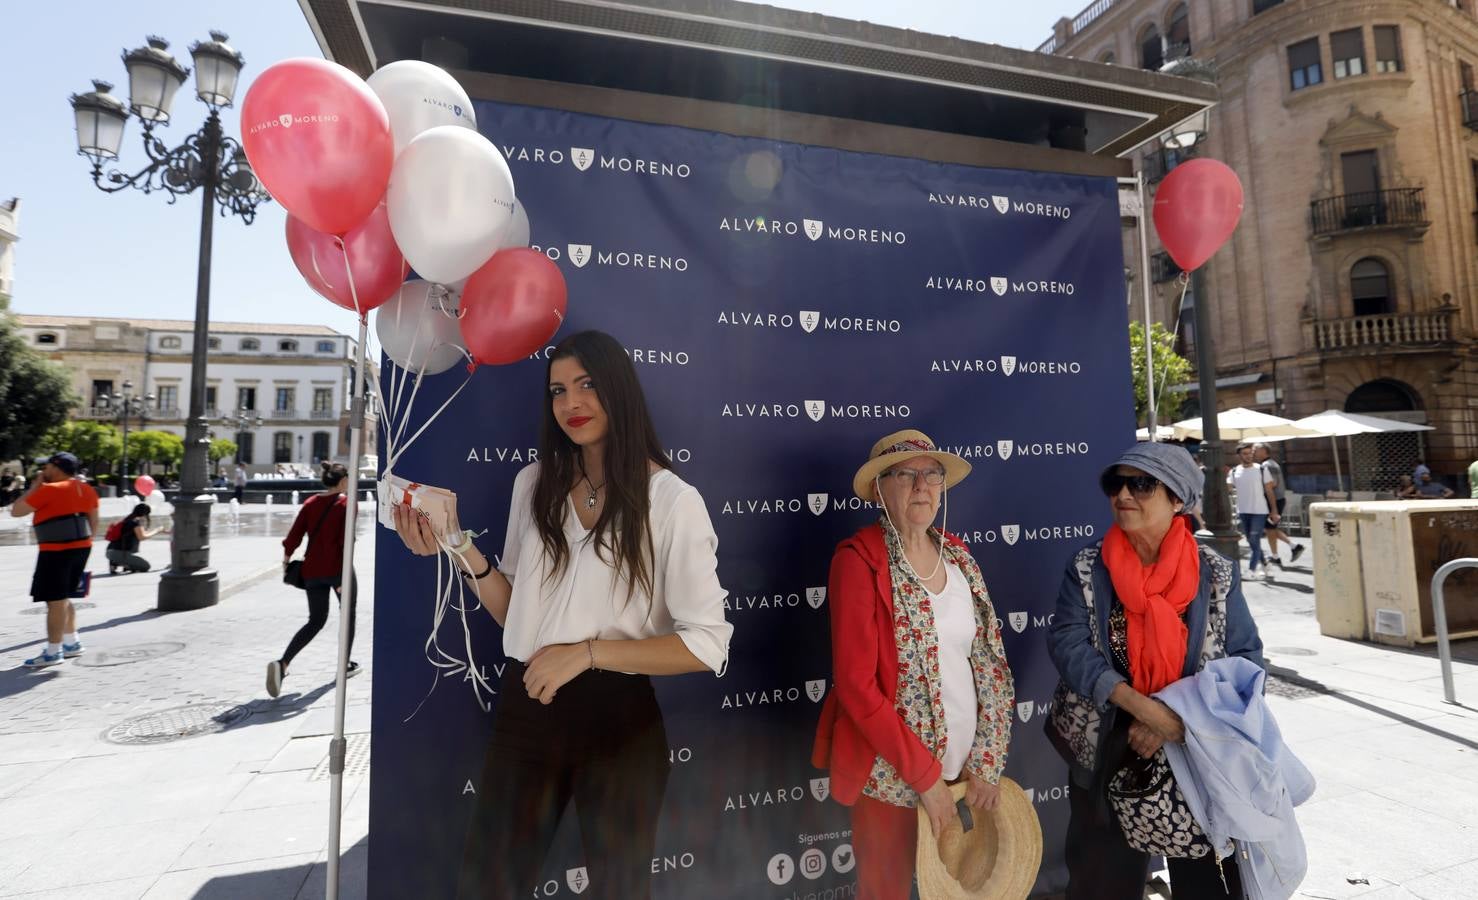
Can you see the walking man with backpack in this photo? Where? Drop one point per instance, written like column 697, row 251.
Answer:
column 1275, row 534
column 66, row 518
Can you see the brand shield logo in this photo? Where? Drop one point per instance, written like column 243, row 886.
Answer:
column 815, row 409
column 1012, row 533
column 1024, row 710
column 813, row 228
column 816, row 689
column 286, row 120
column 999, row 285
column 582, row 157
column 579, row 254
column 816, row 596
column 1002, row 204
column 1004, row 448
column 1008, row 365
column 577, row 879
column 457, row 110
column 820, row 788
column 1018, row 621
column 817, row 502
column 809, row 320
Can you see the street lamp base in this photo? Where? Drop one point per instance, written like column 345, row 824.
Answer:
column 180, row 591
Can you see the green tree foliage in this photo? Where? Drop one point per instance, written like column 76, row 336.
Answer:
column 93, row 443
column 35, row 393
column 161, row 447
column 1170, row 369
column 220, row 448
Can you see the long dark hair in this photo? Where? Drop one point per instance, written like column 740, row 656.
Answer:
column 622, row 534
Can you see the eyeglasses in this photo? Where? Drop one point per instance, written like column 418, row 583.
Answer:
column 1141, row 486
column 905, row 477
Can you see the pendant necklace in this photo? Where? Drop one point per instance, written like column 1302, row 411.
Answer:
column 590, row 499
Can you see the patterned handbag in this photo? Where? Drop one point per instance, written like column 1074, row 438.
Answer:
column 1152, row 811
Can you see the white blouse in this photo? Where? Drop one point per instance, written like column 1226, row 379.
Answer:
column 589, row 599
column 954, row 620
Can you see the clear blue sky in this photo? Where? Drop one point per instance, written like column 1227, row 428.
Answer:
column 86, row 253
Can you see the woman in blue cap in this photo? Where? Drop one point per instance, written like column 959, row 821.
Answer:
column 1144, row 607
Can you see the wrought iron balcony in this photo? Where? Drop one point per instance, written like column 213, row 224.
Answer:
column 284, row 414
column 1160, row 162
column 166, row 412
column 1469, row 100
column 1395, row 208
column 1163, row 268
column 325, row 414
column 1386, row 332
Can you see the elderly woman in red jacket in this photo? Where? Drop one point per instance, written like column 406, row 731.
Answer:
column 923, row 694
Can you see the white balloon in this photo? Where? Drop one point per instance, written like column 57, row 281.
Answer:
column 517, row 234
column 419, row 96
column 417, row 327
column 450, row 201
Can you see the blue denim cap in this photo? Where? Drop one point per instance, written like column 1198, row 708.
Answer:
column 1171, row 463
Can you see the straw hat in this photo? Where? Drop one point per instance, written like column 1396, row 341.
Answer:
column 901, row 446
column 997, row 859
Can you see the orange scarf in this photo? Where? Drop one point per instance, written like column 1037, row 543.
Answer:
column 1154, row 597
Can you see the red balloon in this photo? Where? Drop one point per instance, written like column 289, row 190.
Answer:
column 144, row 485
column 512, row 306
column 378, row 267
column 1196, row 210
column 319, row 140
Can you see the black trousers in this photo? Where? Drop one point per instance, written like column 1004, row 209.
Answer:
column 317, row 591
column 1102, row 866
column 601, row 743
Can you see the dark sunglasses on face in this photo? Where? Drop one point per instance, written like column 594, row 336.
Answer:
column 1141, row 486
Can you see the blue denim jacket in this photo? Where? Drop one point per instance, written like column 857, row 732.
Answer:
column 1081, row 717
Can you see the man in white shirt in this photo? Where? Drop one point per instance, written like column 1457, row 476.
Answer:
column 1256, row 505
column 1264, row 458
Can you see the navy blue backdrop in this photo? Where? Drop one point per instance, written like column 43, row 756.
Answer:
column 785, row 306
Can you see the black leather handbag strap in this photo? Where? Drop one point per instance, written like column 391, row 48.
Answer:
column 331, row 505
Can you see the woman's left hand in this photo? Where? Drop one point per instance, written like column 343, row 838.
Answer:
column 981, row 794
column 553, row 667
column 1144, row 740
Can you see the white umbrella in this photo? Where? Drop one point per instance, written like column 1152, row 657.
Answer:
column 1334, row 423
column 1162, row 433
column 1242, row 424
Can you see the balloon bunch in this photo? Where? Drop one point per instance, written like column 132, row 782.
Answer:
column 383, row 176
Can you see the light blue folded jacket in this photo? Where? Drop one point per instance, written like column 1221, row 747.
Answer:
column 1240, row 780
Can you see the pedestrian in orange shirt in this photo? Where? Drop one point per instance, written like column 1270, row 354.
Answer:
column 66, row 512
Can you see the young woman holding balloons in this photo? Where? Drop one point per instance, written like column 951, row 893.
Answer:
column 607, row 577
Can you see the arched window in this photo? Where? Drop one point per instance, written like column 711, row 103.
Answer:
column 46, row 337
column 1385, row 395
column 169, row 343
column 1370, row 288
column 1151, row 50
column 282, row 447
column 287, row 346
column 1178, row 33
column 251, row 344
column 1107, row 57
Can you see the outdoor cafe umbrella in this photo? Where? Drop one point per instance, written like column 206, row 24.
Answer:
column 1242, row 424
column 1162, row 433
column 1334, row 424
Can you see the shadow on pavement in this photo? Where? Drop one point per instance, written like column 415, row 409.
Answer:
column 144, row 616
column 20, row 679
column 304, row 881
column 266, row 711
column 1292, row 676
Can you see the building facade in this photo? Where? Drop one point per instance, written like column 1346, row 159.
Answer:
column 10, row 232
column 1352, row 281
column 295, row 378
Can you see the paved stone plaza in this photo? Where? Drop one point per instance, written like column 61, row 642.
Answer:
column 243, row 812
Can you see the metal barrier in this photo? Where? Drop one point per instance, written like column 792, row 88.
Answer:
column 1439, row 620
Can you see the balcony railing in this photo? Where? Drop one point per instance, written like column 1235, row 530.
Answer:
column 284, row 414
column 1398, row 207
column 1081, row 21
column 1383, row 330
column 325, row 414
column 1159, row 163
column 166, row 412
column 1469, row 100
column 1163, row 268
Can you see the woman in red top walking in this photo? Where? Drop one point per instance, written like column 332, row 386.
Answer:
column 923, row 694
column 322, row 519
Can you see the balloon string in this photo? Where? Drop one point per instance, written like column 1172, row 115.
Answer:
column 434, row 416
column 410, row 404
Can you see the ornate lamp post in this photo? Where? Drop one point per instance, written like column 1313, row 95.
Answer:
column 125, row 405
column 215, row 164
column 242, row 421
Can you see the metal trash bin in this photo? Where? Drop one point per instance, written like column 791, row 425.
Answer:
column 1339, row 583
column 1412, row 539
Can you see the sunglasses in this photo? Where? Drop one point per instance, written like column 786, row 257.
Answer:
column 1141, row 486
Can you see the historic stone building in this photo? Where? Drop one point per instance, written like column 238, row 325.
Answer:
column 1352, row 282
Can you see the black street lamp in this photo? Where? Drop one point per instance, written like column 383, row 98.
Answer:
column 1216, row 503
column 217, row 165
column 243, row 423
column 125, row 405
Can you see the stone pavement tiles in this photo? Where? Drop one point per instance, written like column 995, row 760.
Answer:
column 238, row 812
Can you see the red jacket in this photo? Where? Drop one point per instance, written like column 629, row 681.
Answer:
column 859, row 721
column 325, row 556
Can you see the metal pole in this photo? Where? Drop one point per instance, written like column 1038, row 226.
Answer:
column 190, row 582
column 1439, row 621
column 1339, row 478
column 1214, row 507
column 336, row 748
column 1144, row 271
column 123, row 479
